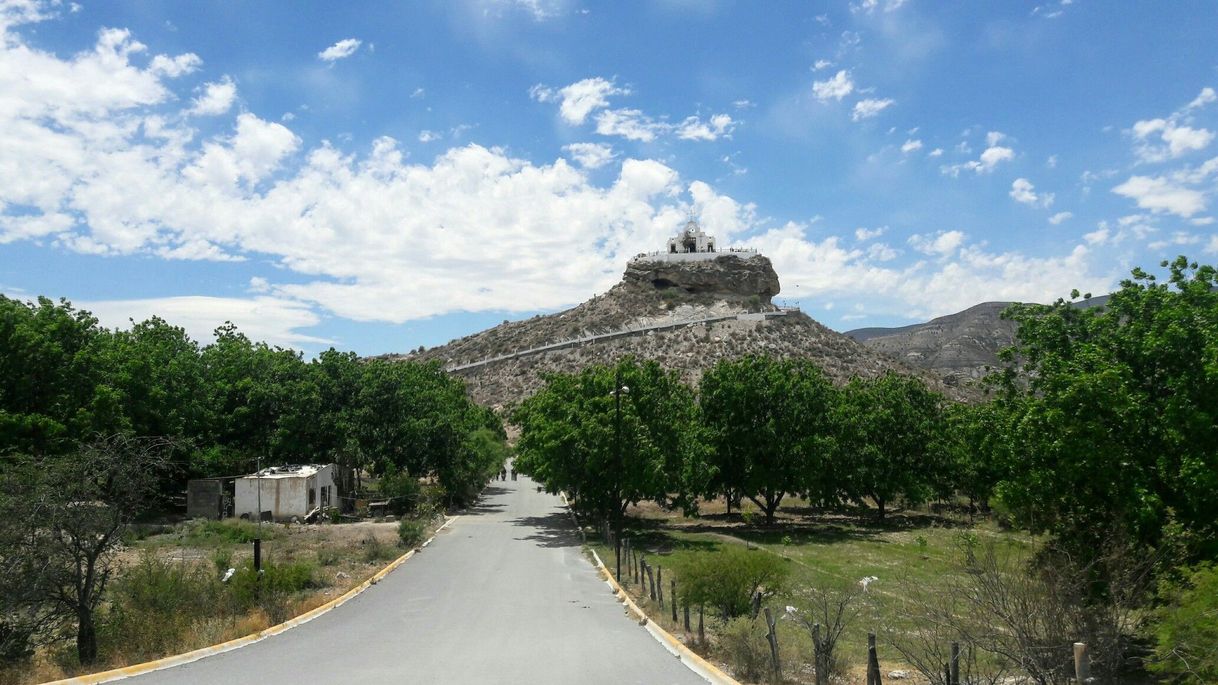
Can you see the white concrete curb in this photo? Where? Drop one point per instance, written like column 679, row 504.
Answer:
column 188, row 657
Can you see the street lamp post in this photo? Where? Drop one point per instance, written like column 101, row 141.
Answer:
column 618, row 391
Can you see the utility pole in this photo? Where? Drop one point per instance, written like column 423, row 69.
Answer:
column 258, row 529
column 618, row 391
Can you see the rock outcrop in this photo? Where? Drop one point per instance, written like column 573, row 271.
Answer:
column 731, row 275
column 687, row 315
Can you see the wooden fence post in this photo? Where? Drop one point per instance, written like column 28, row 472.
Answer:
column 873, row 662
column 660, row 585
column 651, row 580
column 755, row 603
column 954, row 668
column 701, row 631
column 772, row 636
column 687, row 631
column 1082, row 663
column 673, row 598
column 818, row 657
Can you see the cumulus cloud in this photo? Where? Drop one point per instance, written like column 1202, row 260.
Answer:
column 941, row 244
column 1164, row 138
column 835, row 88
column 340, row 50
column 590, row 155
column 863, row 234
column 994, row 154
column 216, row 98
column 911, row 145
column 1161, row 195
column 1024, row 192
column 579, row 99
column 693, row 128
column 630, row 124
column 275, row 320
column 1060, row 217
column 869, row 107
column 426, row 136
column 821, row 64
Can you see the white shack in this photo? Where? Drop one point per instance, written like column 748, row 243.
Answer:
column 288, row 491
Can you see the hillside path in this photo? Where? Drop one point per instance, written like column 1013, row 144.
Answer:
column 503, row 595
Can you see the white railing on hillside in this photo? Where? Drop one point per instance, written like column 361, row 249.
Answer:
column 621, row 333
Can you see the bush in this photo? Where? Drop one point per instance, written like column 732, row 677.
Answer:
column 228, row 531
column 411, row 532
column 1186, row 627
column 744, row 647
column 726, row 579
column 402, row 490
column 154, row 606
column 16, row 643
column 277, row 580
column 375, row 550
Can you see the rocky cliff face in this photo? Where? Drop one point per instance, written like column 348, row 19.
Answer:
column 730, row 276
column 665, row 307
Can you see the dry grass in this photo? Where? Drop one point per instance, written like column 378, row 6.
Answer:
column 339, row 553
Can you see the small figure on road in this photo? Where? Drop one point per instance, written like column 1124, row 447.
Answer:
column 513, row 472
column 502, row 474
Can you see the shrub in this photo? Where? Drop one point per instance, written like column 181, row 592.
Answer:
column 16, row 642
column 375, row 550
column 744, row 647
column 726, row 579
column 222, row 558
column 402, row 490
column 154, row 606
column 277, row 580
column 228, row 531
column 411, row 532
column 1186, row 627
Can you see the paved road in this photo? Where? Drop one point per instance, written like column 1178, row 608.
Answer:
column 503, row 595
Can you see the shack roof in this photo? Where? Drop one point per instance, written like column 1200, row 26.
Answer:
column 288, row 471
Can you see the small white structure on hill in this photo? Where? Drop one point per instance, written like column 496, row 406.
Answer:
column 287, row 491
column 692, row 244
column 691, row 240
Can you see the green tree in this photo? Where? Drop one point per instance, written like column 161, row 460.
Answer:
column 888, row 428
column 770, row 430
column 569, row 437
column 1121, row 415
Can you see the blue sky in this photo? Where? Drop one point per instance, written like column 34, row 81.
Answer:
column 382, row 176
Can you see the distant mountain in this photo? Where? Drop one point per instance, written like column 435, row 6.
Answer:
column 958, row 347
column 685, row 314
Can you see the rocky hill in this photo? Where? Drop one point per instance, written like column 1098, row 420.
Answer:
column 958, row 347
column 686, row 315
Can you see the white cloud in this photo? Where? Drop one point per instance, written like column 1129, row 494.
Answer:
column 274, row 320
column 881, row 252
column 942, row 244
column 862, row 234
column 340, row 50
column 1024, row 192
column 1056, row 219
column 1202, row 221
column 835, row 88
column 937, row 152
column 865, row 109
column 590, row 155
column 743, row 103
column 579, row 99
column 718, row 126
column 821, row 64
column 1177, row 140
column 1205, row 97
column 630, row 124
column 174, row 67
column 869, row 6
column 418, row 93
column 911, row 145
column 1051, row 162
column 216, row 98
column 1160, row 195
column 992, row 156
column 426, row 136
column 1212, row 246
column 1099, row 236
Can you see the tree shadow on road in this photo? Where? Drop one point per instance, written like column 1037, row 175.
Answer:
column 550, row 530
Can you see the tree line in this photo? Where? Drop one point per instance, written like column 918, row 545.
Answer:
column 225, row 405
column 1105, row 419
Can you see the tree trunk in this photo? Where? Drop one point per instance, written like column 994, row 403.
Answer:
column 86, row 636
column 879, row 502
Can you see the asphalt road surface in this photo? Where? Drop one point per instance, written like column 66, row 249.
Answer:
column 503, row 595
